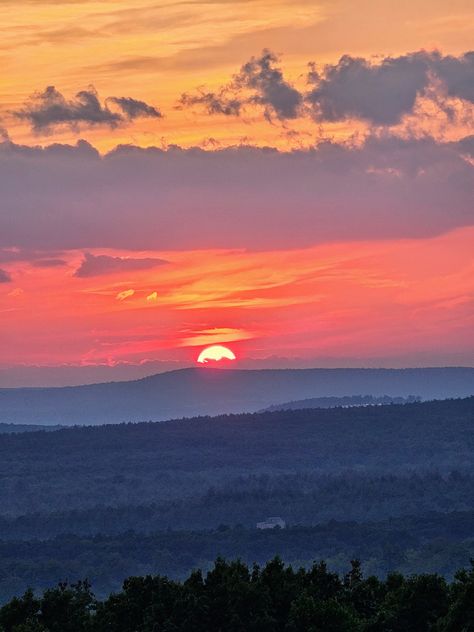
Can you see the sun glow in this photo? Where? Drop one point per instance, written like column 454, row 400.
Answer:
column 215, row 353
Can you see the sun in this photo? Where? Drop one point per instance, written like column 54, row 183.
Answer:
column 215, row 353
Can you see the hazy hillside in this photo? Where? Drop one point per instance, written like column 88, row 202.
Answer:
column 304, row 498
column 9, row 428
column 191, row 392
column 345, row 402
column 148, row 462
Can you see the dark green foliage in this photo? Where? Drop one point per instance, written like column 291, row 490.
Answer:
column 415, row 605
column 461, row 613
column 434, row 543
column 21, row 611
column 62, row 609
column 310, row 615
column 233, row 597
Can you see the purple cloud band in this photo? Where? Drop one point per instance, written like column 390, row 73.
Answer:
column 62, row 196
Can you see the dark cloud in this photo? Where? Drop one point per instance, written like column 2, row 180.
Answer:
column 383, row 92
column 95, row 265
column 466, row 145
column 4, row 276
column 259, row 82
column 277, row 96
column 50, row 108
column 380, row 92
column 133, row 108
column 63, row 197
column 213, row 103
column 457, row 73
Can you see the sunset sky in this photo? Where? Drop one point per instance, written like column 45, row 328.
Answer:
column 291, row 179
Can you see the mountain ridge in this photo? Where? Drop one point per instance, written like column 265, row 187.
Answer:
column 212, row 391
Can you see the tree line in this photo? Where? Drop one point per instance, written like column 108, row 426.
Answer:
column 233, row 597
column 432, row 543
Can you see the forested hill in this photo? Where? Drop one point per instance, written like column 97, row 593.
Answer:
column 191, row 489
column 190, row 392
column 346, row 401
column 150, row 462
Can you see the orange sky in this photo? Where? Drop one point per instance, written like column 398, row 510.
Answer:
column 155, row 51
column 349, row 233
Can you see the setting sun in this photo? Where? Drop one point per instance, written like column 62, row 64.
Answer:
column 215, row 353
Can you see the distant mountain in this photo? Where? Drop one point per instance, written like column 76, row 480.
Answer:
column 15, row 428
column 199, row 391
column 347, row 401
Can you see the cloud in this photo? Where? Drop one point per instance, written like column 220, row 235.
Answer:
column 457, row 73
column 384, row 91
column 466, row 145
column 133, row 108
column 271, row 90
column 259, row 82
column 214, row 103
column 16, row 292
column 95, row 265
column 354, row 88
column 239, row 197
column 121, row 296
column 4, row 276
column 204, row 337
column 380, row 92
column 48, row 109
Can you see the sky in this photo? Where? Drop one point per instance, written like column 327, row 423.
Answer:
column 291, row 179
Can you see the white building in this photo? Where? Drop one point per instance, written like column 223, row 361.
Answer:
column 271, row 523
